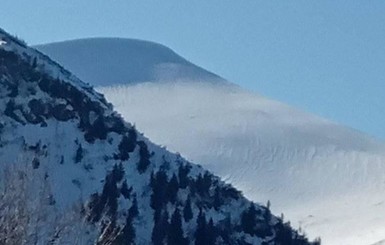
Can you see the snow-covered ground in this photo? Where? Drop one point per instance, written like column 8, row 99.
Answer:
column 327, row 178
column 324, row 177
column 69, row 149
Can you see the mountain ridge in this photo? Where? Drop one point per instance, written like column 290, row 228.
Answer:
column 290, row 157
column 152, row 61
column 70, row 134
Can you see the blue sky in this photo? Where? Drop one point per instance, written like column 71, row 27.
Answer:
column 326, row 57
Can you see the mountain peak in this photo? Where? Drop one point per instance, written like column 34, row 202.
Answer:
column 127, row 186
column 127, row 60
column 313, row 157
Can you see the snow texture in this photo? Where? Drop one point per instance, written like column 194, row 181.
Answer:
column 50, row 117
column 326, row 178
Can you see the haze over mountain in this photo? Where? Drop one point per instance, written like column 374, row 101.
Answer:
column 62, row 146
column 325, row 177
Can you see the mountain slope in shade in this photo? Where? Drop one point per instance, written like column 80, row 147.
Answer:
column 143, row 61
column 327, row 178
column 131, row 190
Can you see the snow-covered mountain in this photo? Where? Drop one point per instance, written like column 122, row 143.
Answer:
column 327, row 178
column 102, row 64
column 130, row 190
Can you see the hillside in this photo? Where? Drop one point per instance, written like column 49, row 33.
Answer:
column 318, row 173
column 130, row 191
column 323, row 176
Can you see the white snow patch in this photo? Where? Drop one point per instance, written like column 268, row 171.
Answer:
column 324, row 177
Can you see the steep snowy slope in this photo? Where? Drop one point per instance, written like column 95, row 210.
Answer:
column 325, row 177
column 143, row 61
column 131, row 190
column 318, row 173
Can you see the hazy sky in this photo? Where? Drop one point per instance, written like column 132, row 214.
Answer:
column 327, row 57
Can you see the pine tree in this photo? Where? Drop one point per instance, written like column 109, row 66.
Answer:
column 118, row 172
column 267, row 215
column 160, row 230
column 110, row 195
column 225, row 229
column 187, row 211
column 175, row 233
column 200, row 233
column 172, row 189
column 203, row 184
column 133, row 211
column 217, row 199
column 158, row 197
column 248, row 220
column 144, row 160
column 211, row 233
column 283, row 234
column 199, row 185
column 183, row 172
column 126, row 192
column 127, row 235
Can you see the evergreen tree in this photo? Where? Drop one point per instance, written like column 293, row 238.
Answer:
column 127, row 145
column 225, row 229
column 211, row 233
column 248, row 220
column 267, row 215
column 205, row 233
column 118, row 172
column 217, row 199
column 183, row 172
column 111, row 194
column 199, row 185
column 126, row 192
column 127, row 234
column 159, row 185
column 144, row 160
column 203, row 184
column 161, row 226
column 283, row 233
column 133, row 211
column 268, row 204
column 207, row 180
column 172, row 189
column 175, row 232
column 187, row 211
column 200, row 232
